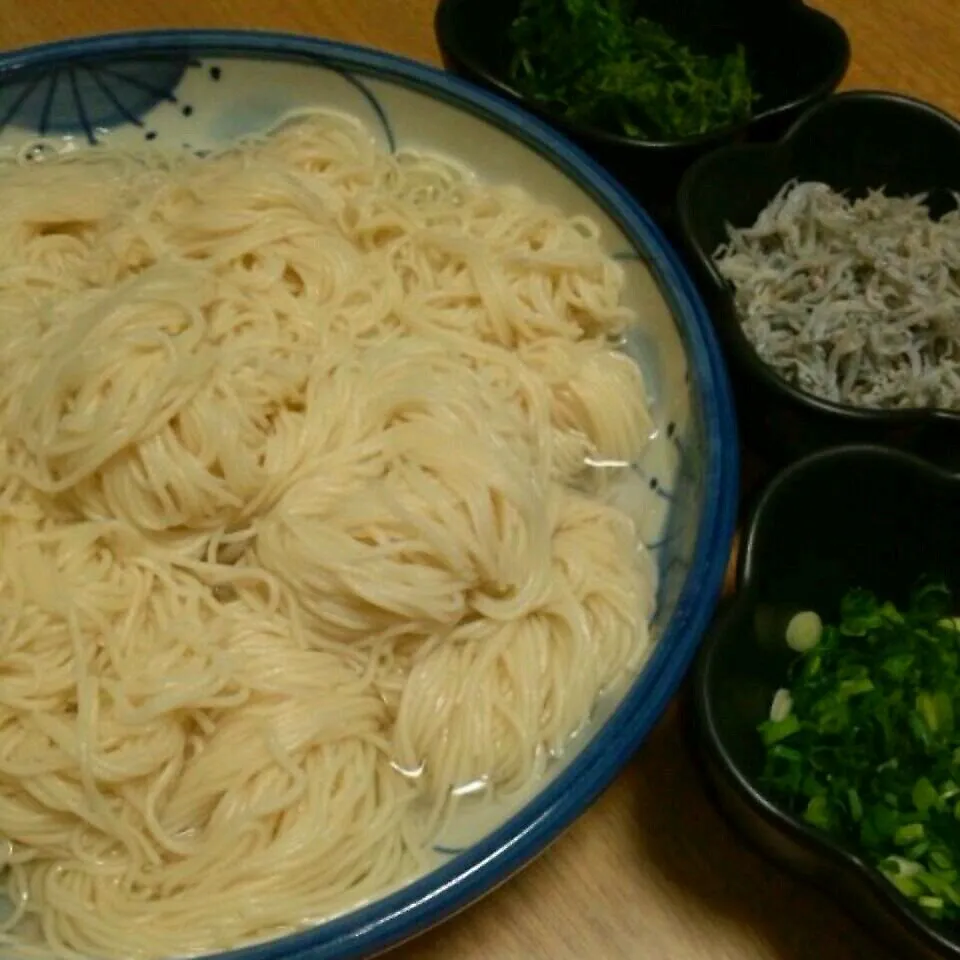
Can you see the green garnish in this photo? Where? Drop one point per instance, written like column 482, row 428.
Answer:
column 596, row 62
column 804, row 631
column 864, row 742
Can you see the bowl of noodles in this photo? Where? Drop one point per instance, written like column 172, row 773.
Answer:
column 369, row 477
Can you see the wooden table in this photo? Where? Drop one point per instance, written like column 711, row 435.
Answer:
column 651, row 872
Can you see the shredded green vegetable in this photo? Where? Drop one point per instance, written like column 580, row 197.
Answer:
column 598, row 63
column 870, row 748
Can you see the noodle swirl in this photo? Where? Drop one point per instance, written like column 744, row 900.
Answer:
column 297, row 537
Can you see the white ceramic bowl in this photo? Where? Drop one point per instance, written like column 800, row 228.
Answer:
column 200, row 89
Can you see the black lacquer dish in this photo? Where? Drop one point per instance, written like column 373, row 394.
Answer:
column 850, row 516
column 853, row 142
column 796, row 56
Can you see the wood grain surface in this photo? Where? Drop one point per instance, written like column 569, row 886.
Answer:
column 651, row 872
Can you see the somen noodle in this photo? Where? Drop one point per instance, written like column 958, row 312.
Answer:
column 297, row 532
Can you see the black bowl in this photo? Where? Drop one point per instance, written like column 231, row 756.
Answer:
column 852, row 516
column 797, row 57
column 852, row 141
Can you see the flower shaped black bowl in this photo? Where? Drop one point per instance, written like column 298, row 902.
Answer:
column 796, row 55
column 853, row 142
column 850, row 516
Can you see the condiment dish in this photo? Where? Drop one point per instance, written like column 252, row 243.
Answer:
column 796, row 56
column 855, row 516
column 853, row 142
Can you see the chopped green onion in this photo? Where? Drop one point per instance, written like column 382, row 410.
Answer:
column 925, row 795
column 804, row 631
column 941, row 860
column 818, row 812
column 949, row 790
column 773, row 731
column 908, row 834
column 781, row 706
column 932, row 905
column 862, row 741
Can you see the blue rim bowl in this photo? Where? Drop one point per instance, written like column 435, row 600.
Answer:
column 474, row 872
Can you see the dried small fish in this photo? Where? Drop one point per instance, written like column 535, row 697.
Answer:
column 854, row 301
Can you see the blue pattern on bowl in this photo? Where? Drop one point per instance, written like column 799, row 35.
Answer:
column 95, row 95
column 88, row 95
column 235, row 83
